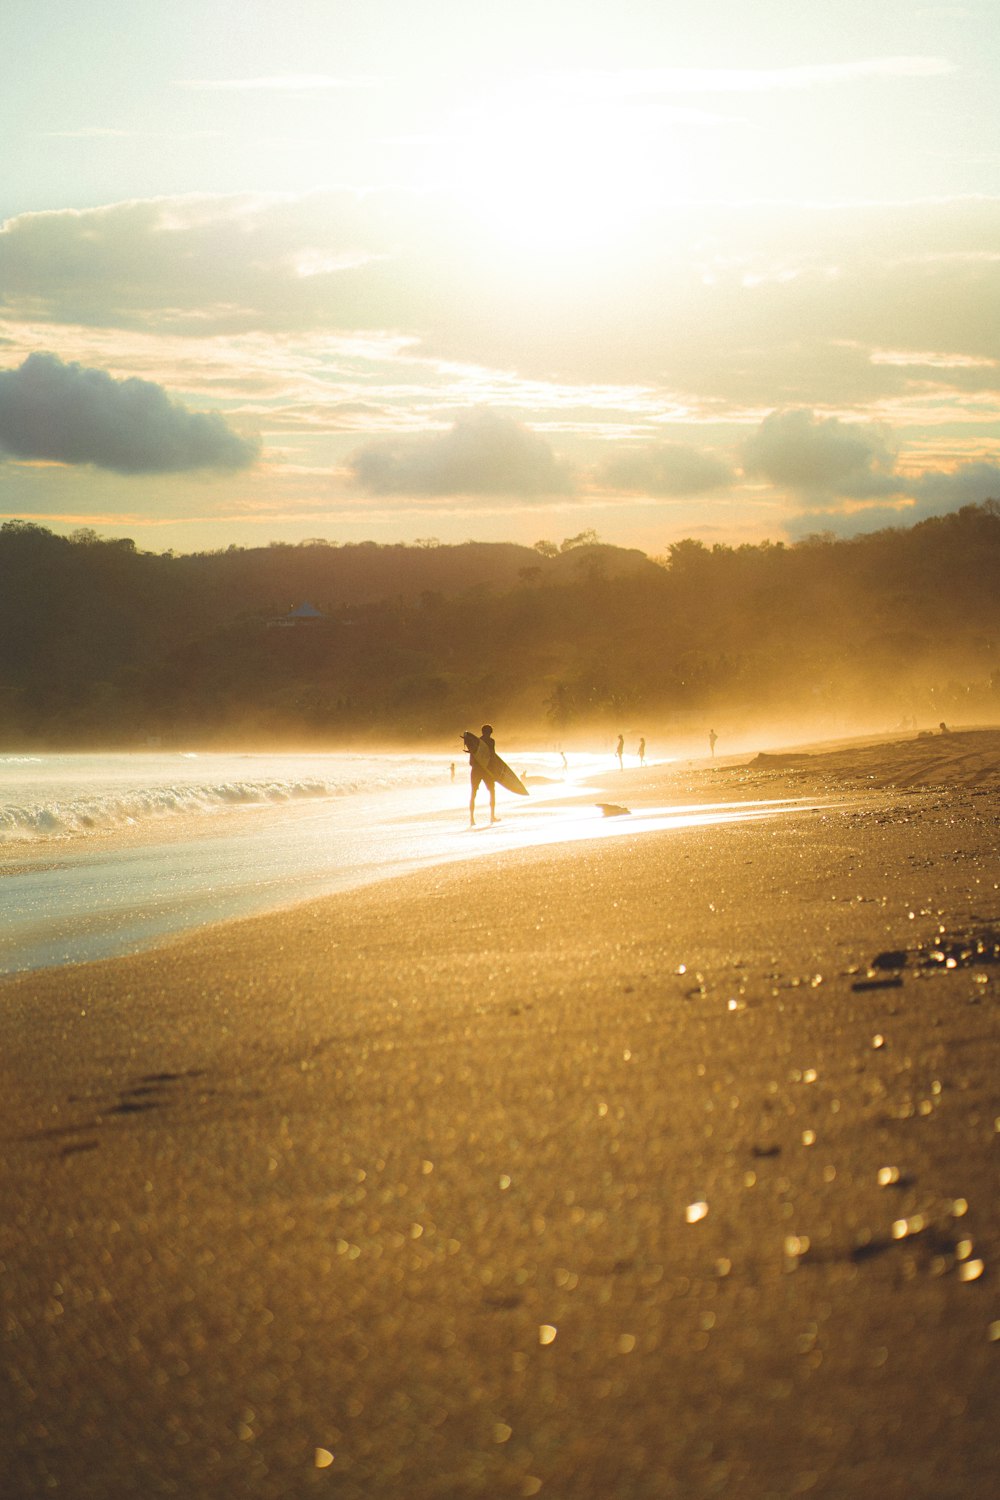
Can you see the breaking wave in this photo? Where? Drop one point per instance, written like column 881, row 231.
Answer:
column 77, row 800
column 92, row 814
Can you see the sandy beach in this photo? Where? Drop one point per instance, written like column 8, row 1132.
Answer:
column 661, row 1165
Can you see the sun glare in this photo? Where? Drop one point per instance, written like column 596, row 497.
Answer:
column 552, row 176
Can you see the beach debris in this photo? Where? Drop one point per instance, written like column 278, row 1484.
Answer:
column 612, row 810
column 894, row 958
column 894, row 983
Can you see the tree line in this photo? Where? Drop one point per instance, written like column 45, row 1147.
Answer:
column 102, row 643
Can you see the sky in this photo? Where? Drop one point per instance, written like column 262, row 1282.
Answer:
column 358, row 270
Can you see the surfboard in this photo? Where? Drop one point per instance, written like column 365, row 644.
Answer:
column 491, row 765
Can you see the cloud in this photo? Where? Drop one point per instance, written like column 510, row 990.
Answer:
column 969, row 484
column 666, row 469
column 73, row 415
column 296, row 83
column 756, row 306
column 483, row 453
column 640, row 81
column 932, row 493
column 799, row 451
column 204, row 265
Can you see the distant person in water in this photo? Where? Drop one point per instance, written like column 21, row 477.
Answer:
column 944, row 728
column 642, row 752
column 712, row 737
column 479, row 776
column 564, row 761
column 620, row 752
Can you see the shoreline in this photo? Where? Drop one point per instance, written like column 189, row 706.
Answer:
column 126, row 890
column 561, row 1175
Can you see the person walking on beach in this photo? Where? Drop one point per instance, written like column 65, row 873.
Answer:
column 642, row 752
column 620, row 752
column 712, row 737
column 479, row 776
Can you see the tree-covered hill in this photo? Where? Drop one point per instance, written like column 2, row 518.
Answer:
column 103, row 643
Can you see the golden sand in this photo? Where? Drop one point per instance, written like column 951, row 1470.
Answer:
column 656, row 1165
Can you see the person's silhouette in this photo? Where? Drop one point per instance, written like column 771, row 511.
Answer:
column 620, row 752
column 479, row 775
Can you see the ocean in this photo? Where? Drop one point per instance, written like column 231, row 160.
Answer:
column 105, row 854
column 102, row 855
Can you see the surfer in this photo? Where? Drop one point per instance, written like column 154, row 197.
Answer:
column 479, row 776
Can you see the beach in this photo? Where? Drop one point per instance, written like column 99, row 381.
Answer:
column 654, row 1164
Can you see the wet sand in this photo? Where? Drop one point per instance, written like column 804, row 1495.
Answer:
column 661, row 1165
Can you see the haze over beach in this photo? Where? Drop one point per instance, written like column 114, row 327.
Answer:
column 622, row 384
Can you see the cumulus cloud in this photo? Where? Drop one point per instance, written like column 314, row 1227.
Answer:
column 483, row 453
column 799, row 451
column 75, row 415
column 969, row 484
column 933, row 493
column 666, row 469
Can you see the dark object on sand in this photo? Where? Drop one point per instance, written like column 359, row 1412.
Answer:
column 612, row 810
column 878, row 984
column 893, row 959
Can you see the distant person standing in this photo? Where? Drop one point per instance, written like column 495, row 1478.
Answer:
column 642, row 752
column 620, row 752
column 479, row 776
column 712, row 737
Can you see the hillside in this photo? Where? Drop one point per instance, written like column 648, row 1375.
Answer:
column 103, row 643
